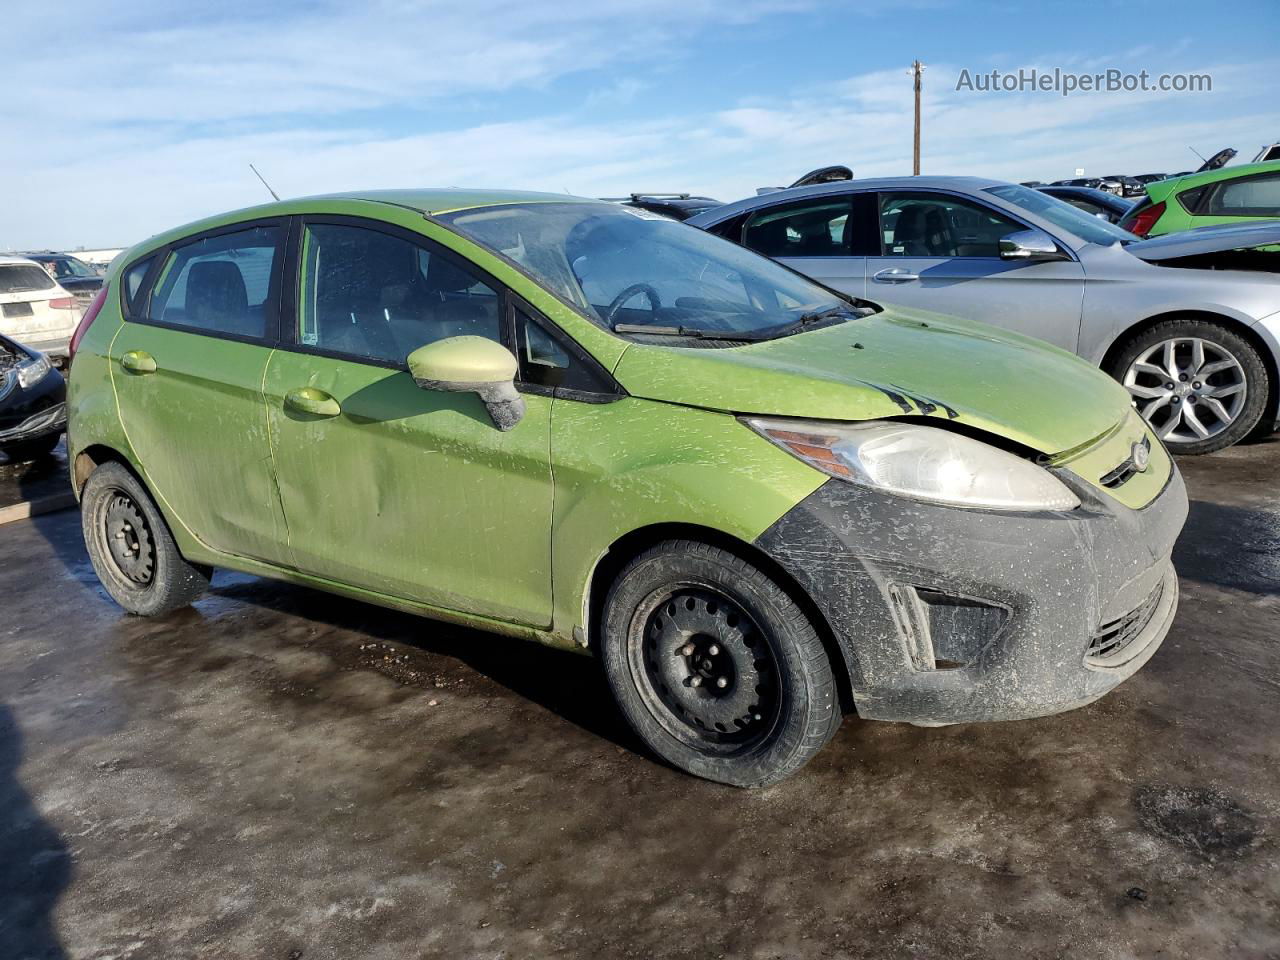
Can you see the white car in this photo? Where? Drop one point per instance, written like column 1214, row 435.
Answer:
column 34, row 309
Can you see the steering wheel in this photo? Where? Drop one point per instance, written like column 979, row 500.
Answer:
column 655, row 303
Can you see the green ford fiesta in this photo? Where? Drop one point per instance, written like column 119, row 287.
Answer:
column 762, row 504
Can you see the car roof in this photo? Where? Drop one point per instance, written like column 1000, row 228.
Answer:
column 9, row 259
column 1226, row 173
column 447, row 200
column 426, row 201
column 963, row 184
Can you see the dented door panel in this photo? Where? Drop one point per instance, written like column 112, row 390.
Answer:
column 198, row 431
column 413, row 493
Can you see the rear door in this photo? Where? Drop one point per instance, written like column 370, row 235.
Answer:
column 187, row 367
column 817, row 236
column 404, row 491
column 940, row 252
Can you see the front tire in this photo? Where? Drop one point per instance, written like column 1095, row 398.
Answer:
column 1200, row 385
column 131, row 548
column 715, row 666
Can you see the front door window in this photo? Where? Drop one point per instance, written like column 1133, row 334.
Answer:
column 369, row 294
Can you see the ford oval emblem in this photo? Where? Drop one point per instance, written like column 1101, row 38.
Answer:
column 1141, row 456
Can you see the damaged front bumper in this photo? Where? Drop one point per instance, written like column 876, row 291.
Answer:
column 948, row 615
column 49, row 420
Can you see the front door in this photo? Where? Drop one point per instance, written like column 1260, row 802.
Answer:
column 407, row 492
column 940, row 252
column 187, row 369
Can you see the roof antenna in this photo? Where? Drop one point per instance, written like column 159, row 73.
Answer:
column 1192, row 149
column 264, row 182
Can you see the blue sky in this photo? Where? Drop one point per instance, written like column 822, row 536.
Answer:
column 124, row 119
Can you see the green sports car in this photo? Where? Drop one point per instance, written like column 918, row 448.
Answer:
column 761, row 503
column 1250, row 191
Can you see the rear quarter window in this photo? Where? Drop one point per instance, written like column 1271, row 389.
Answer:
column 133, row 278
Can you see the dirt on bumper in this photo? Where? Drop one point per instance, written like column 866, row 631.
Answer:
column 946, row 615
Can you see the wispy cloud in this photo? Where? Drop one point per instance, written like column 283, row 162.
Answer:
column 153, row 115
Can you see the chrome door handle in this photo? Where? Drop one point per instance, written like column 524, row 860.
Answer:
column 894, row 275
column 138, row 361
column 312, row 401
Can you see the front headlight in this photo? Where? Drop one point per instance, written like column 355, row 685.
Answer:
column 32, row 372
column 924, row 463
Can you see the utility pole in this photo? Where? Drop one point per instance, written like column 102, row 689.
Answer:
column 917, row 68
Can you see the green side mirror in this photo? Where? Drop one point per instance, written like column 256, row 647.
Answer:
column 472, row 365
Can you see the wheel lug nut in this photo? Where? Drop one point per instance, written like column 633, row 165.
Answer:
column 1197, row 385
column 713, row 650
column 1169, row 385
column 695, row 681
column 1182, row 377
column 722, row 682
column 687, row 650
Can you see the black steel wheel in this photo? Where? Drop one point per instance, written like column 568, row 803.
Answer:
column 715, row 666
column 128, row 539
column 131, row 548
column 705, row 663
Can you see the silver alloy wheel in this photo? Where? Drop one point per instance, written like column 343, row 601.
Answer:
column 1187, row 388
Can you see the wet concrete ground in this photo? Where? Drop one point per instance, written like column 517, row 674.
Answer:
column 34, row 480
column 277, row 773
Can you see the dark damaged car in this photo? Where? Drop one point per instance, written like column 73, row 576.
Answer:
column 32, row 403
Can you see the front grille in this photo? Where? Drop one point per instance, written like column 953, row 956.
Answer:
column 1124, row 471
column 1112, row 638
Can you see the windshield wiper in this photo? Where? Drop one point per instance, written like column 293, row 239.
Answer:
column 695, row 333
column 803, row 322
column 812, row 319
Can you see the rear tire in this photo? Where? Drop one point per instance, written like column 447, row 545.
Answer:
column 131, row 548
column 715, row 666
column 1200, row 385
column 25, row 451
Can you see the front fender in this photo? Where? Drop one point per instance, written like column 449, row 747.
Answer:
column 635, row 463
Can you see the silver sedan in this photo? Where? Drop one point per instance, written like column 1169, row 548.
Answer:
column 1189, row 323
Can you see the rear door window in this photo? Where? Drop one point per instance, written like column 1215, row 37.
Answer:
column 814, row 228
column 1246, row 197
column 222, row 284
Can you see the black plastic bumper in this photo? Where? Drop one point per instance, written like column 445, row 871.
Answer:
column 27, row 413
column 947, row 615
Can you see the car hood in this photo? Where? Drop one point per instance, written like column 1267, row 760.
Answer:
column 893, row 364
column 1186, row 243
